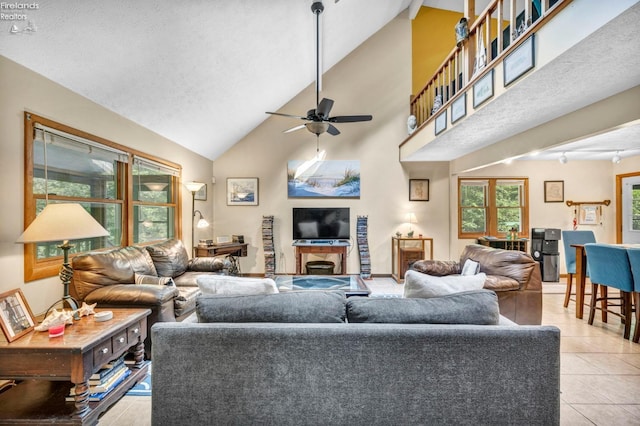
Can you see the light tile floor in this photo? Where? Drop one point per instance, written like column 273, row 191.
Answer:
column 600, row 371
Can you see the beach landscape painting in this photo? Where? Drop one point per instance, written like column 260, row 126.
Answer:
column 323, row 179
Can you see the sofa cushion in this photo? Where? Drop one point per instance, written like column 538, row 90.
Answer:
column 312, row 306
column 470, row 267
column 436, row 268
column 229, row 285
column 152, row 279
column 469, row 307
column 513, row 264
column 186, row 301
column 500, row 283
column 169, row 257
column 417, row 284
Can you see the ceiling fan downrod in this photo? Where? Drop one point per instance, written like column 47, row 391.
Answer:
column 317, row 8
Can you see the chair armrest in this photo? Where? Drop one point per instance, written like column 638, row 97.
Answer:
column 136, row 294
column 437, row 268
column 205, row 264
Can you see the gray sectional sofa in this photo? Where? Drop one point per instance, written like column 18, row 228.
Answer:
column 317, row 358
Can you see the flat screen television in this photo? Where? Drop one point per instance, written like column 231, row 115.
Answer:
column 321, row 223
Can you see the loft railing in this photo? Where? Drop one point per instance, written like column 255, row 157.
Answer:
column 490, row 38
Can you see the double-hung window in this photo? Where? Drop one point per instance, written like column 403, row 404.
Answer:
column 131, row 195
column 492, row 206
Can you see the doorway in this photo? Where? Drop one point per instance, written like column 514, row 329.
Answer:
column 628, row 192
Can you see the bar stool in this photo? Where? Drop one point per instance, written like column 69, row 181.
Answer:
column 568, row 238
column 609, row 267
column 634, row 260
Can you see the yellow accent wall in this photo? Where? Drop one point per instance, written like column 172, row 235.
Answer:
column 432, row 38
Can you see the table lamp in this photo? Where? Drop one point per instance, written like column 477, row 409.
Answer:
column 63, row 222
column 411, row 219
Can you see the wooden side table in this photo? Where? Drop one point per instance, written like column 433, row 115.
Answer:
column 339, row 249
column 405, row 251
column 49, row 367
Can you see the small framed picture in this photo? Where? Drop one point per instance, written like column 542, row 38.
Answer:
column 553, row 191
column 16, row 317
column 459, row 108
column 242, row 191
column 201, row 194
column 441, row 122
column 418, row 189
column 589, row 214
column 483, row 89
column 519, row 61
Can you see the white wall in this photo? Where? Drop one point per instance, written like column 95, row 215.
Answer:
column 23, row 90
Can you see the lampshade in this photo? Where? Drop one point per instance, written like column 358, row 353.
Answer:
column 194, row 186
column 411, row 218
column 202, row 222
column 59, row 222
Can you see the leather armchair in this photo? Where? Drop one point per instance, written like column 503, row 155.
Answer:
column 512, row 274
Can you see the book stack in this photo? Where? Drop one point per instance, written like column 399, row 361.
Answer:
column 105, row 380
column 363, row 247
column 268, row 247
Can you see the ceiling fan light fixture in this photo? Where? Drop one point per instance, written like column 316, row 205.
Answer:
column 563, row 159
column 317, row 127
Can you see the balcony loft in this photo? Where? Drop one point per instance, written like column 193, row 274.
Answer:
column 585, row 81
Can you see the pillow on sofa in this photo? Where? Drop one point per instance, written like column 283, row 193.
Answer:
column 235, row 286
column 313, row 306
column 417, row 284
column 151, row 279
column 169, row 257
column 470, row 267
column 469, row 307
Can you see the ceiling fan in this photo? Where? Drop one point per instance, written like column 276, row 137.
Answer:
column 318, row 119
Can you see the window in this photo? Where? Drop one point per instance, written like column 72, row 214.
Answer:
column 492, row 206
column 66, row 165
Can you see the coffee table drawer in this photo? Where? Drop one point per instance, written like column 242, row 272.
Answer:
column 102, row 353
column 119, row 342
column 134, row 333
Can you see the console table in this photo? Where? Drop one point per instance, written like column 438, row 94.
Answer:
column 339, row 248
column 405, row 251
column 234, row 249
column 49, row 367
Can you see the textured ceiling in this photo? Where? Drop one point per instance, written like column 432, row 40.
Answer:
column 201, row 72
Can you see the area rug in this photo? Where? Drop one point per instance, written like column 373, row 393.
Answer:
column 143, row 388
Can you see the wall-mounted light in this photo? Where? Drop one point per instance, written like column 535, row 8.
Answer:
column 563, row 159
column 616, row 158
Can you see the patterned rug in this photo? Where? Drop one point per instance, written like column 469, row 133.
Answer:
column 143, row 388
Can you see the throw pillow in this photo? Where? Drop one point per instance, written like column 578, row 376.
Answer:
column 471, row 267
column 312, row 306
column 417, row 284
column 469, row 307
column 169, row 257
column 150, row 279
column 235, row 286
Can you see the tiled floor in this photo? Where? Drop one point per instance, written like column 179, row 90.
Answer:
column 600, row 371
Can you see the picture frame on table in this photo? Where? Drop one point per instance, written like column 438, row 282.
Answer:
column 518, row 62
column 553, row 191
column 483, row 89
column 242, row 191
column 418, row 189
column 16, row 318
column 201, row 194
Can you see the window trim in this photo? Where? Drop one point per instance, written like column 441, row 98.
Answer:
column 35, row 269
column 491, row 208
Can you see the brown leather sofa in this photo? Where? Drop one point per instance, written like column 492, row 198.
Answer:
column 512, row 274
column 137, row 277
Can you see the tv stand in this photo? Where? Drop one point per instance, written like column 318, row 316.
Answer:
column 338, row 247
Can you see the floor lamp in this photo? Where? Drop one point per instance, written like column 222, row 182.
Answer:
column 63, row 222
column 202, row 223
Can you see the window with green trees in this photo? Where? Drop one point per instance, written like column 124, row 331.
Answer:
column 492, row 206
column 130, row 194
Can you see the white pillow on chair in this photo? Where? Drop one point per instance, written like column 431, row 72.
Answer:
column 417, row 284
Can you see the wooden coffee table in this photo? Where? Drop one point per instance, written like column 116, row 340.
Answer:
column 352, row 285
column 48, row 367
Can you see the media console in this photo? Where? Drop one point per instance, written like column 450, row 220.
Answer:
column 338, row 247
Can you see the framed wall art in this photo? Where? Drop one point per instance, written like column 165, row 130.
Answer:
column 589, row 214
column 459, row 108
column 483, row 89
column 201, row 194
column 553, row 191
column 441, row 122
column 418, row 189
column 323, row 179
column 16, row 318
column 242, row 191
column 519, row 61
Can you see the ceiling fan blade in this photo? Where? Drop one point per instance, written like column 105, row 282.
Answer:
column 349, row 118
column 324, row 107
column 332, row 130
column 287, row 115
column 293, row 129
